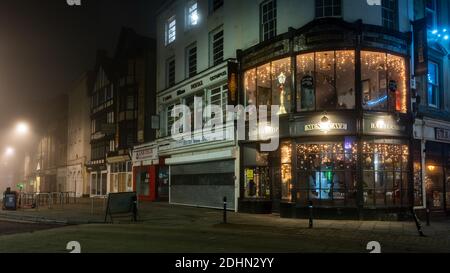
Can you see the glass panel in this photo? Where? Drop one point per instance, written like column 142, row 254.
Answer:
column 397, row 83
column 264, row 85
column 257, row 182
column 282, row 85
column 345, row 79
column 434, row 185
column 286, row 171
column 305, row 82
column 325, row 82
column 250, row 87
column 373, row 80
column 326, row 172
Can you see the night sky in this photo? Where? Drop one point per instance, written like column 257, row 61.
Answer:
column 45, row 45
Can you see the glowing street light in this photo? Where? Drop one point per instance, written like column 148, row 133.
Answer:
column 22, row 128
column 9, row 151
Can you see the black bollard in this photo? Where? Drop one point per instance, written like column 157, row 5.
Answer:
column 310, row 206
column 224, row 209
column 416, row 220
column 428, row 213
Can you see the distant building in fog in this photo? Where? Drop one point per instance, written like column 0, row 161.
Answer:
column 78, row 137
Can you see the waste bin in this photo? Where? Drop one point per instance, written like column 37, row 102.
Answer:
column 10, row 201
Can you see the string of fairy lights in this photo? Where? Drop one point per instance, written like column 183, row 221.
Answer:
column 343, row 61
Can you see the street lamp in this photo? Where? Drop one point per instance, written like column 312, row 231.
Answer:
column 9, row 151
column 22, row 128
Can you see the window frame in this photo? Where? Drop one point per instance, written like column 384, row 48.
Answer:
column 170, row 39
column 212, row 47
column 434, row 12
column 437, row 85
column 191, row 73
column 169, row 81
column 262, row 24
column 320, row 4
column 189, row 12
column 394, row 12
column 213, row 8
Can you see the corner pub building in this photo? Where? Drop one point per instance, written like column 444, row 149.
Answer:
column 345, row 123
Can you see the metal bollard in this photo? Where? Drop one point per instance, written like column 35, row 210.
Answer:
column 428, row 213
column 224, row 209
column 310, row 206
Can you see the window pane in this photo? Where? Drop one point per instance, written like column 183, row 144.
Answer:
column 325, row 82
column 305, row 82
column 345, row 79
column 397, row 83
column 374, row 82
column 282, row 85
column 250, row 87
column 263, row 85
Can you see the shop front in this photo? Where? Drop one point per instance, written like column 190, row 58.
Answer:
column 145, row 172
column 98, row 178
column 345, row 125
column 434, row 136
column 201, row 164
column 120, row 173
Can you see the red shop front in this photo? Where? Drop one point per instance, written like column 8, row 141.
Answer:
column 145, row 170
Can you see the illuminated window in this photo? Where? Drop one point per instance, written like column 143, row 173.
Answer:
column 171, row 30
column 326, row 80
column 326, row 172
column 389, row 10
column 383, row 82
column 286, row 171
column 192, row 14
column 268, row 13
column 328, row 8
column 385, row 173
column 270, row 84
column 433, row 84
column 257, row 182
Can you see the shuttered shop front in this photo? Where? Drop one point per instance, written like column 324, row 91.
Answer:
column 203, row 184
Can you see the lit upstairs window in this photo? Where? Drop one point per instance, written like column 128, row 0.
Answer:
column 433, row 85
column 171, row 30
column 192, row 14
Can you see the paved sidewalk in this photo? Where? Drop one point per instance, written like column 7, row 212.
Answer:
column 173, row 228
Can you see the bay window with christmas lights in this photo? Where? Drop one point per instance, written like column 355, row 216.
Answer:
column 345, row 122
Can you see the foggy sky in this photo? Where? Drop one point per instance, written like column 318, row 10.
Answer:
column 45, row 45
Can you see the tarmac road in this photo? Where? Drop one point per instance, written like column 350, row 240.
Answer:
column 9, row 227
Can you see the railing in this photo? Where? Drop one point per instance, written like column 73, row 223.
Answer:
column 36, row 200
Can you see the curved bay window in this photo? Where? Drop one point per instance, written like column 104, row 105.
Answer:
column 326, row 80
column 383, row 82
column 385, row 173
column 270, row 84
column 326, row 172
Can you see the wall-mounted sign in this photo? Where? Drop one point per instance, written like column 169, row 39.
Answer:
column 420, row 47
column 384, row 125
column 326, row 127
column 150, row 153
column 442, row 134
column 208, row 79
